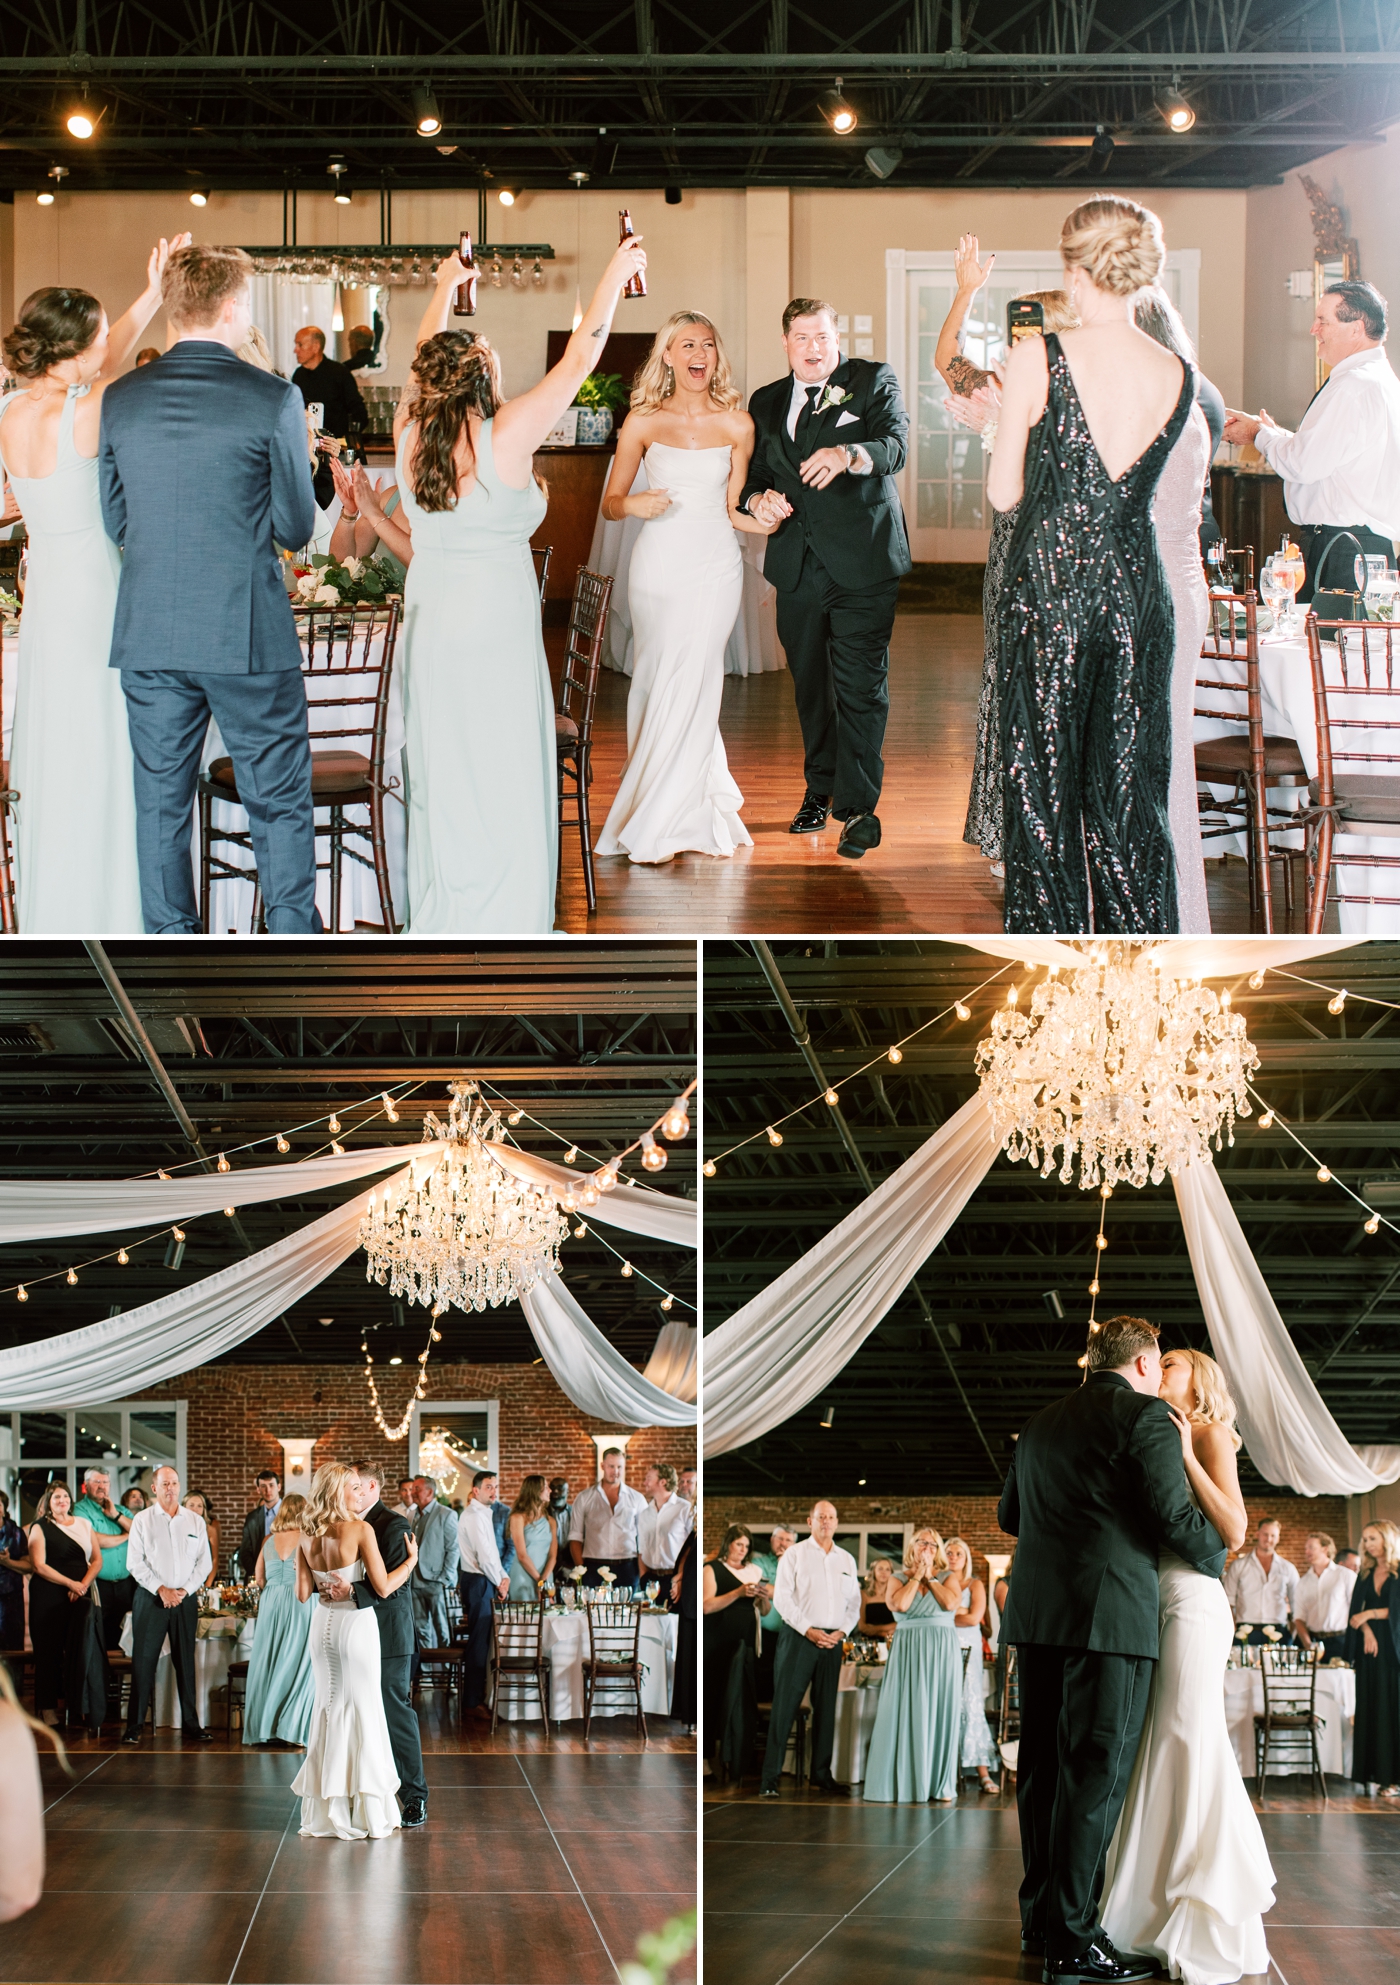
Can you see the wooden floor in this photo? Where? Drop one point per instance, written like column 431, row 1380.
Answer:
column 540, row 1864
column 923, row 877
column 815, row 1891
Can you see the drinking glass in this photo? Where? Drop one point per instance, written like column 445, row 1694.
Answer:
column 653, row 1587
column 1276, row 593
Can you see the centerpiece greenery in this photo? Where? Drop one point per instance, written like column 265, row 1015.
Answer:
column 329, row 582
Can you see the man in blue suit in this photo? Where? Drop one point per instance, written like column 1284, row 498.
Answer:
column 205, row 470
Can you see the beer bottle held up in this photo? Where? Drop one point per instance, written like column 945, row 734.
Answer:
column 636, row 285
column 464, row 299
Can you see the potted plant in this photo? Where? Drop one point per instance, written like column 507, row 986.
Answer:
column 601, row 395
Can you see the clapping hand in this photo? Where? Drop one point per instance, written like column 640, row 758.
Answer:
column 344, row 487
column 363, row 494
column 977, row 410
column 1240, row 429
column 968, row 272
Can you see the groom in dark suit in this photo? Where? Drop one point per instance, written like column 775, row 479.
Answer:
column 204, row 470
column 829, row 440
column 1097, row 1489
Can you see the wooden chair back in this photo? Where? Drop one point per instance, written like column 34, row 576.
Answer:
column 9, row 798
column 542, row 553
column 613, row 1665
column 573, row 724
column 1367, row 655
column 1287, row 1730
column 518, row 1662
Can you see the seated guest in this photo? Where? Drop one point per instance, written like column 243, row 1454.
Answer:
column 482, row 1578
column 535, row 1539
column 913, row 1753
column 201, row 1505
column 359, row 340
column 1341, row 470
column 280, row 1688
column 727, row 1602
column 257, row 1525
column 818, row 1595
column 62, row 1628
column 133, row 1500
column 1323, row 1604
column 354, row 534
column 1373, row 1648
column 14, row 1565
column 168, row 1556
column 109, row 1526
column 780, row 1539
column 1261, row 1585
column 603, row 1525
column 662, row 1527
column 876, row 1619
column 435, row 1573
column 324, row 382
column 147, row 355
column 976, row 1749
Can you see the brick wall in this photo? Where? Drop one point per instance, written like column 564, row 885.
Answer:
column 237, row 1413
column 975, row 1518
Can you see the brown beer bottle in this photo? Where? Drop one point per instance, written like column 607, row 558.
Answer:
column 464, row 301
column 636, row 285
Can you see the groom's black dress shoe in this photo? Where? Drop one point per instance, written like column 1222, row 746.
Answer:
column 415, row 1812
column 1100, row 1964
column 197, row 1736
column 812, row 815
column 1032, row 1946
column 861, row 832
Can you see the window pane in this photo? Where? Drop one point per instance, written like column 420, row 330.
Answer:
column 32, row 1484
column 935, row 301
column 152, row 1441
column 97, row 1436
column 885, row 1544
column 933, row 506
column 933, row 456
column 43, row 1436
column 969, row 511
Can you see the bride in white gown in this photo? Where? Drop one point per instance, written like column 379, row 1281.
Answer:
column 1188, row 1878
column 685, row 585
column 347, row 1781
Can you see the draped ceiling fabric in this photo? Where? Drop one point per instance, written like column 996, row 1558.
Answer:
column 658, row 1216
column 785, row 1346
column 591, row 1371
column 1291, row 1437
column 672, row 1364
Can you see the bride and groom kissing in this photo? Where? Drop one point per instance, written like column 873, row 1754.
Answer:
column 812, row 467
column 1139, row 1843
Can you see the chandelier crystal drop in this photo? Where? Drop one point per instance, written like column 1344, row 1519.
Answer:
column 459, row 1228
column 1117, row 1067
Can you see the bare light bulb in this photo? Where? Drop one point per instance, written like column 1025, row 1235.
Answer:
column 709, row 1168
column 282, row 1144
column 775, row 1137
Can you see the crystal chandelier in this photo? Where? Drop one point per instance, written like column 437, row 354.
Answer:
column 1118, row 1067
column 459, row 1228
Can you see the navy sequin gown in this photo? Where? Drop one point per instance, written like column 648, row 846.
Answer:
column 1087, row 638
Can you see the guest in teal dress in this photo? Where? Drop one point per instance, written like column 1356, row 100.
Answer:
column 535, row 1536
column 280, row 1685
column 914, row 1748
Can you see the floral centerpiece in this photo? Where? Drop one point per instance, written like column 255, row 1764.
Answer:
column 9, row 605
column 330, row 582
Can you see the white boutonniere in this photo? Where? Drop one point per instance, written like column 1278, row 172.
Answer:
column 833, row 396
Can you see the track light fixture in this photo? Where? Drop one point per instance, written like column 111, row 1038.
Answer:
column 57, row 173
column 200, row 197
column 426, row 115
column 837, row 112
column 508, row 195
column 81, row 121
column 338, row 169
column 673, row 196
column 882, row 160
column 828, row 1416
column 1101, row 151
column 1176, row 112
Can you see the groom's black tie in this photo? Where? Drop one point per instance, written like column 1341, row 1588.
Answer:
column 804, row 418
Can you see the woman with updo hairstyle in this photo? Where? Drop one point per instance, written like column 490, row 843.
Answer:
column 479, row 757
column 1087, row 634
column 70, row 757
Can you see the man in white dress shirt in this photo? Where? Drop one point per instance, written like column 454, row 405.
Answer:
column 603, row 1525
column 1341, row 470
column 1323, row 1601
column 818, row 1595
column 480, row 1580
column 662, row 1527
column 1261, row 1587
column 168, row 1556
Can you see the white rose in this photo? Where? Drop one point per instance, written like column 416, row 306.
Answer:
column 307, row 585
column 326, row 596
column 354, row 566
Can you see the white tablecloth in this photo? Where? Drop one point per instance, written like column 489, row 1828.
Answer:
column 231, row 903
column 754, row 648
column 565, row 1645
column 1336, row 1702
column 1285, row 683
column 212, row 1657
column 856, row 1710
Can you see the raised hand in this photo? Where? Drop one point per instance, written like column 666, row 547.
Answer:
column 364, row 495
column 451, row 269
column 629, row 259
column 344, row 486
column 160, row 255
column 967, row 270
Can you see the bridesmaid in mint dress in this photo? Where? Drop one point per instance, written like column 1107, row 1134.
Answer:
column 535, row 1536
column 280, row 1684
column 479, row 756
column 913, row 1753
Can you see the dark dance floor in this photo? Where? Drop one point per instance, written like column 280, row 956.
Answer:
column 538, row 1866
column 818, row 1891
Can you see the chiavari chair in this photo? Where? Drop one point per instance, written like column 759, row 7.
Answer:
column 573, row 722
column 1345, row 800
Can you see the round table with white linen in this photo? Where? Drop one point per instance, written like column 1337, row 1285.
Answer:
column 1336, row 1706
column 565, row 1643
column 222, row 1638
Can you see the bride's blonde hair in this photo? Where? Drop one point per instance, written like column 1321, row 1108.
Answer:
column 1214, row 1406
column 326, row 1504
column 656, row 381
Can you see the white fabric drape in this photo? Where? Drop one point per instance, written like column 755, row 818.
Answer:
column 116, row 1358
column 782, row 1348
column 673, row 1363
column 46, row 1209
column 596, row 1376
column 1210, row 957
column 1291, row 1437
column 656, row 1215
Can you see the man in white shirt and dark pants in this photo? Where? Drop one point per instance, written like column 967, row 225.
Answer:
column 480, row 1580
column 662, row 1528
column 1341, row 470
column 603, row 1525
column 1261, row 1587
column 818, row 1595
column 1323, row 1601
column 168, row 1556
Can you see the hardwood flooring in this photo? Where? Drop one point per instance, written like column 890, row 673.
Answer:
column 923, row 878
column 816, row 1891
column 542, row 1863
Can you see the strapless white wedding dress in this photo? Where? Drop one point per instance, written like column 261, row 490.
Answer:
column 347, row 1781
column 1188, row 1878
column 685, row 585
